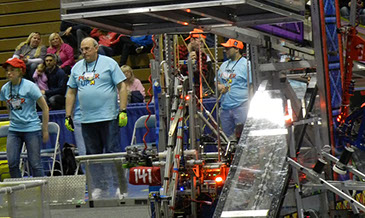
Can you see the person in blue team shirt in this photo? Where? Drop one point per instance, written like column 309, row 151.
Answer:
column 97, row 80
column 21, row 96
column 233, row 84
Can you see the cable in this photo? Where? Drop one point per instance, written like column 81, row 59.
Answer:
column 150, row 95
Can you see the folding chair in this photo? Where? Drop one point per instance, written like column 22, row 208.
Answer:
column 53, row 154
column 3, row 133
column 151, row 123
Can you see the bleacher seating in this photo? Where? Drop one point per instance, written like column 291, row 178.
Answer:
column 18, row 18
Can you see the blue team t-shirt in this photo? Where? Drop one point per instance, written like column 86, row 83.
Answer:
column 96, row 88
column 234, row 75
column 23, row 117
column 77, row 111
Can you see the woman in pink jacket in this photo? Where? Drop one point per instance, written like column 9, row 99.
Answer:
column 136, row 91
column 64, row 52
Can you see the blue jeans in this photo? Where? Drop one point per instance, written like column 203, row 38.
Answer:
column 101, row 137
column 80, row 144
column 230, row 118
column 14, row 144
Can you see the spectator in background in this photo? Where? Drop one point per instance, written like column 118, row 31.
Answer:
column 63, row 51
column 55, row 95
column 136, row 91
column 32, row 52
column 111, row 44
column 345, row 10
column 73, row 34
column 40, row 77
column 196, row 39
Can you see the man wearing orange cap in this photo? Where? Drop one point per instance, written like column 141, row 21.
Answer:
column 233, row 84
column 192, row 50
column 21, row 96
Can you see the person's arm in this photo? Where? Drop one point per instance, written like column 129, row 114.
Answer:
column 123, row 95
column 70, row 101
column 95, row 33
column 35, row 60
column 35, row 76
column 41, row 57
column 69, row 53
column 45, row 117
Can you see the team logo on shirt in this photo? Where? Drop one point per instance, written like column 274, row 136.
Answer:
column 84, row 81
column 15, row 103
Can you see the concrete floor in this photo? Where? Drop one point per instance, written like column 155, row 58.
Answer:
column 138, row 211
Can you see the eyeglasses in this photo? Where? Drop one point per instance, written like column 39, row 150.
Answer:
column 86, row 49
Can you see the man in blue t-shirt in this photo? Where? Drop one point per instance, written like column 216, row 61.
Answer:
column 233, row 85
column 97, row 80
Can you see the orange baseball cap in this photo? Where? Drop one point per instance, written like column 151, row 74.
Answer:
column 233, row 43
column 196, row 33
column 15, row 62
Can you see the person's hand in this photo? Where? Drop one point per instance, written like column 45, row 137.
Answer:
column 69, row 124
column 25, row 59
column 123, row 119
column 43, row 92
column 45, row 136
column 222, row 88
column 192, row 55
column 68, row 31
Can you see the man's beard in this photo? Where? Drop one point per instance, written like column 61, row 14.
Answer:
column 50, row 67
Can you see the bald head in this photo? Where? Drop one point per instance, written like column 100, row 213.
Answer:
column 89, row 48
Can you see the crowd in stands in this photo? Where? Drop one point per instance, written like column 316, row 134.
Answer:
column 50, row 67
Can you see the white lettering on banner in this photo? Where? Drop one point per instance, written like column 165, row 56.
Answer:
column 141, row 174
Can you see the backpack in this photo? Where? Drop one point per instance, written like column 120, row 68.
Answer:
column 68, row 160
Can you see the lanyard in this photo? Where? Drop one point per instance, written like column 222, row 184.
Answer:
column 96, row 62
column 234, row 64
column 11, row 89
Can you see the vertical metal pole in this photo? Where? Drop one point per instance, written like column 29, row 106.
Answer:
column 353, row 12
column 255, row 67
column 177, row 156
column 322, row 91
column 292, row 153
column 319, row 146
column 192, row 107
column 193, row 195
column 88, row 180
column 158, row 208
column 155, row 77
column 249, row 75
column 11, row 204
column 217, row 95
column 43, row 202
